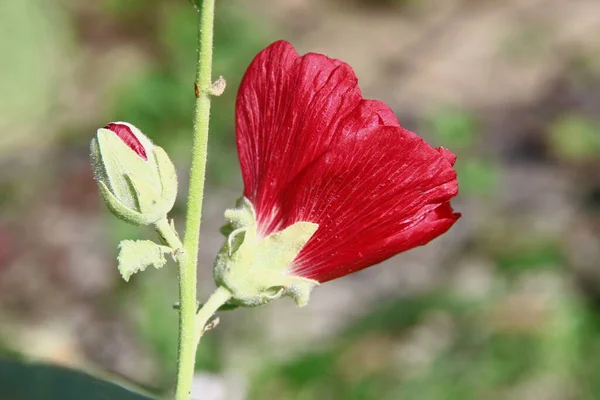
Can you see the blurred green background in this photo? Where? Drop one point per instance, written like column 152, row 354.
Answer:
column 505, row 306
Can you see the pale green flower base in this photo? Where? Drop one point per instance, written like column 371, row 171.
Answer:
column 255, row 269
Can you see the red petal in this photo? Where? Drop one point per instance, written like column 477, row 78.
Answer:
column 128, row 137
column 311, row 149
column 289, row 111
column 447, row 154
column 379, row 192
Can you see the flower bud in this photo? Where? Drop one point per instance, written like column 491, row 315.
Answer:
column 136, row 178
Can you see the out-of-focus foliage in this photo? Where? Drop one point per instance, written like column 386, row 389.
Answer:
column 476, row 176
column 393, row 354
column 30, row 69
column 575, row 138
column 454, row 126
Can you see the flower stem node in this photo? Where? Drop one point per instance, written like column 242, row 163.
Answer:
column 257, row 269
column 136, row 178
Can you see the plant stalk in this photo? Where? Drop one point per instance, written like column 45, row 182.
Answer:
column 188, row 326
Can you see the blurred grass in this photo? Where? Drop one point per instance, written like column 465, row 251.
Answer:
column 380, row 356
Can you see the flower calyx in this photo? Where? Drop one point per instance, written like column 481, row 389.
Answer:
column 256, row 269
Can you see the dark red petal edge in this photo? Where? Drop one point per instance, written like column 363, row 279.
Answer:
column 128, row 137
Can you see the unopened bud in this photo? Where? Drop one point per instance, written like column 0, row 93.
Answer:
column 136, row 178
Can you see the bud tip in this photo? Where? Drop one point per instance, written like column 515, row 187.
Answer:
column 124, row 132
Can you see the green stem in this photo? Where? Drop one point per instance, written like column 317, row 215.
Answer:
column 214, row 302
column 169, row 235
column 188, row 328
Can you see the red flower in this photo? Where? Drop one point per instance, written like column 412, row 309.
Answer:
column 312, row 149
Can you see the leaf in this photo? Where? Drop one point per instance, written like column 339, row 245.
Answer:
column 23, row 381
column 137, row 255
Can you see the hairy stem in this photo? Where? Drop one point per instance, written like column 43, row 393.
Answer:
column 214, row 302
column 188, row 327
column 169, row 235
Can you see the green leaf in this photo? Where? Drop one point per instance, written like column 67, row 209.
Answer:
column 137, row 255
column 22, row 381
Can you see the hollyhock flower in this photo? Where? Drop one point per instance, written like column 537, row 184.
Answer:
column 332, row 182
column 136, row 178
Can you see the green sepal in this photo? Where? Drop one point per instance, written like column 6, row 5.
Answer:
column 227, row 307
column 146, row 197
column 120, row 210
column 168, row 177
column 137, row 255
column 226, row 230
column 257, row 270
column 242, row 216
column 224, row 307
